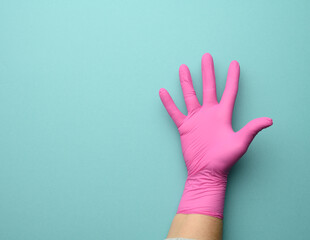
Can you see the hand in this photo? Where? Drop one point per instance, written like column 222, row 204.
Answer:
column 209, row 144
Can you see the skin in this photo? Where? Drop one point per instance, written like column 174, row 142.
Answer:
column 196, row 226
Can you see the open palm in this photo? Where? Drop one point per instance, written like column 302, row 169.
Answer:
column 208, row 141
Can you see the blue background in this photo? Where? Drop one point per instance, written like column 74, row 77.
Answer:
column 87, row 151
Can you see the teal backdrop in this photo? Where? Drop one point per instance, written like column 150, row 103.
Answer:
column 87, row 151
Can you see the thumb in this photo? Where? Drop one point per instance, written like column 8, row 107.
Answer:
column 249, row 131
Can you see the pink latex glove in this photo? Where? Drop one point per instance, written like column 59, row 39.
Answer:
column 209, row 144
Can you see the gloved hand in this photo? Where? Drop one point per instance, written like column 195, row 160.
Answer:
column 209, row 144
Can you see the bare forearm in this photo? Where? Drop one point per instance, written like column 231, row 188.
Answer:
column 196, row 226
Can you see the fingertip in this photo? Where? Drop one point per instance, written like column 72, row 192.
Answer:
column 269, row 121
column 234, row 71
column 235, row 64
column 183, row 69
column 207, row 57
column 266, row 122
column 182, row 66
column 162, row 91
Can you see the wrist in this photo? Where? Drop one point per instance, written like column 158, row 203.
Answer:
column 204, row 193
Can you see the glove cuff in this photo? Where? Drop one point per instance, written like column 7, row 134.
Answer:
column 204, row 193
